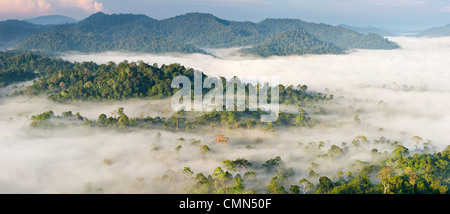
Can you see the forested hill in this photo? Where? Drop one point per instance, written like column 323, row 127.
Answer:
column 66, row 81
column 339, row 36
column 62, row 42
column 292, row 43
column 186, row 33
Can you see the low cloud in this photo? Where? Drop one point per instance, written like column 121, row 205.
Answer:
column 403, row 91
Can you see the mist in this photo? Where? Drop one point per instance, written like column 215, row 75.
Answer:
column 404, row 90
column 397, row 94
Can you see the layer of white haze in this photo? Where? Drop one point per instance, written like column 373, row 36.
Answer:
column 375, row 84
column 370, row 76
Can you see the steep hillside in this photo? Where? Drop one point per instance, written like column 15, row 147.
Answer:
column 292, row 43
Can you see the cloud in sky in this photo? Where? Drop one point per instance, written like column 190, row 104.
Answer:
column 446, row 9
column 89, row 6
column 399, row 3
column 24, row 6
column 263, row 2
column 30, row 8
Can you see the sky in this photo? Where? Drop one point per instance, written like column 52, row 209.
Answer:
column 391, row 14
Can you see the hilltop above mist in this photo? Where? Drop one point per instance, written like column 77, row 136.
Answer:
column 184, row 34
column 292, row 43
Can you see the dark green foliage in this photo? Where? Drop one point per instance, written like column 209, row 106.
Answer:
column 292, row 43
column 101, row 32
column 208, row 30
column 325, row 185
column 339, row 36
column 276, row 185
column 400, row 151
column 358, row 185
column 244, row 120
column 66, row 81
column 11, row 76
column 417, row 174
column 219, row 182
column 63, row 42
column 17, row 67
column 43, row 116
column 229, row 120
column 237, row 164
column 49, row 120
column 273, row 164
column 89, row 81
column 294, row 189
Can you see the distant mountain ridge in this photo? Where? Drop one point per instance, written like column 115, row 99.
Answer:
column 14, row 31
column 369, row 29
column 186, row 33
column 51, row 20
column 435, row 32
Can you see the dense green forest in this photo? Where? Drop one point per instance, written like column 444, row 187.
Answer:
column 185, row 34
column 14, row 75
column 292, row 43
column 395, row 173
column 339, row 36
column 65, row 81
column 18, row 67
column 63, row 42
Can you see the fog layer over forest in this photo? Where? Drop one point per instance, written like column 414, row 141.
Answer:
column 403, row 91
column 396, row 94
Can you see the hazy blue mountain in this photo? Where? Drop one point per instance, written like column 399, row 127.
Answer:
column 185, row 33
column 435, row 32
column 369, row 29
column 51, row 20
column 14, row 31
